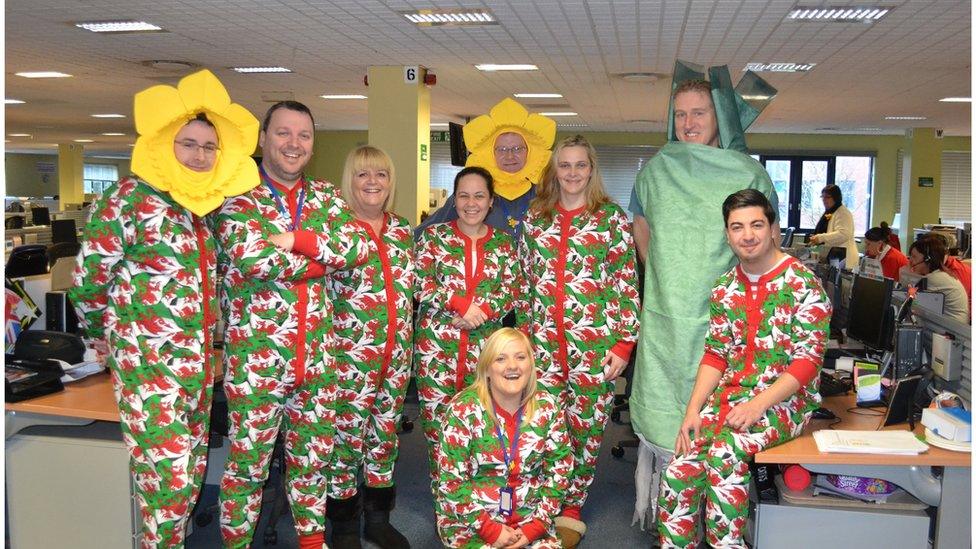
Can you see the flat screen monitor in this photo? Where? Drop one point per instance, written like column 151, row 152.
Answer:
column 841, row 301
column 41, row 216
column 64, row 230
column 459, row 153
column 869, row 318
column 930, row 301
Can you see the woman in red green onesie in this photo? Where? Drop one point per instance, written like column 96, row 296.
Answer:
column 581, row 309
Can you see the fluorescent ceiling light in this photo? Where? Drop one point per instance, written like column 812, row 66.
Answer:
column 839, row 14
column 12, row 102
column 755, row 97
column 43, row 74
column 438, row 124
column 343, row 96
column 18, row 135
column 572, row 125
column 559, row 113
column 251, row 70
column 779, row 67
column 108, row 115
column 113, row 134
column 956, row 99
column 490, row 67
column 118, row 26
column 450, row 18
column 84, row 140
column 905, row 118
column 538, row 95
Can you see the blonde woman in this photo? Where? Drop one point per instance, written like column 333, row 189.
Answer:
column 504, row 455
column 581, row 308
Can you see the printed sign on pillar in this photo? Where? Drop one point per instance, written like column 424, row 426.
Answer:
column 411, row 75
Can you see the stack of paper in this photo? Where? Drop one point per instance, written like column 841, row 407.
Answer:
column 869, row 442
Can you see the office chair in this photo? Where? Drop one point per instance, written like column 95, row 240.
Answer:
column 14, row 222
column 64, row 230
column 62, row 249
column 27, row 260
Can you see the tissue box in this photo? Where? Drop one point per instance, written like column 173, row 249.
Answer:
column 949, row 423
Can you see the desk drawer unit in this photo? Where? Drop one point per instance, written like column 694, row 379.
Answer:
column 812, row 527
column 70, row 487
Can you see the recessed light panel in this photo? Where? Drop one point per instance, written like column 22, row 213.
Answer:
column 956, row 99
column 252, row 70
column 905, row 118
column 118, row 26
column 43, row 74
column 84, row 140
column 108, row 115
column 491, row 67
column 450, row 18
column 12, row 102
column 779, row 67
column 559, row 113
column 538, row 95
column 113, row 134
column 18, row 135
column 343, row 96
column 841, row 14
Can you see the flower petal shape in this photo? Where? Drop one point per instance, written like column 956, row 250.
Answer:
column 160, row 113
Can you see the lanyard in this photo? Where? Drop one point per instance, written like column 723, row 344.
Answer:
column 510, row 454
column 281, row 206
column 514, row 222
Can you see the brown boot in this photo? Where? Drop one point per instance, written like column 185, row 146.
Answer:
column 569, row 531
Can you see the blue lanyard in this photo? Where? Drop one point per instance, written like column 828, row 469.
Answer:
column 510, row 454
column 519, row 216
column 281, row 205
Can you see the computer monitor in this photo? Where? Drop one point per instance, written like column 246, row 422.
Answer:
column 870, row 318
column 841, row 301
column 64, row 230
column 933, row 302
column 41, row 216
column 787, row 238
column 459, row 152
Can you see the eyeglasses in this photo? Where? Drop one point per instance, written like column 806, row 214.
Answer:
column 511, row 150
column 191, row 146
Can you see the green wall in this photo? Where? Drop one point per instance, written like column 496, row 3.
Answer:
column 24, row 177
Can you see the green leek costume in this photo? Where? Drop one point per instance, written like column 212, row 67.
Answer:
column 681, row 191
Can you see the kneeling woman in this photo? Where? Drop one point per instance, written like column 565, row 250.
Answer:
column 504, row 456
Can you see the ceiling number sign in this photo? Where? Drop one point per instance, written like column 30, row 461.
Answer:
column 411, row 75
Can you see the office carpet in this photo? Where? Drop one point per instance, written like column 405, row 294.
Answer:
column 607, row 512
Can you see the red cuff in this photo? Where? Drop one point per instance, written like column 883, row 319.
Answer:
column 623, row 349
column 489, row 530
column 534, row 530
column 306, row 243
column 714, row 360
column 459, row 304
column 487, row 310
column 803, row 370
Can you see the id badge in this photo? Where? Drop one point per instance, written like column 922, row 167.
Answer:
column 506, row 505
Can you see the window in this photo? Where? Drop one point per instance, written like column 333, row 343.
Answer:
column 619, row 166
column 798, row 181
column 99, row 177
column 955, row 192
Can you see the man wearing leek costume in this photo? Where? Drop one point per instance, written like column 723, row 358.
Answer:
column 515, row 147
column 145, row 287
column 681, row 190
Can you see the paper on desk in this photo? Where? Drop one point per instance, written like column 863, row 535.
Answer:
column 75, row 372
column 901, row 443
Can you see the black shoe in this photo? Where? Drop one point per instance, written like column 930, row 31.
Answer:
column 345, row 517
column 378, row 502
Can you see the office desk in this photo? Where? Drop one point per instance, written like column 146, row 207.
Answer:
column 951, row 493
column 67, row 480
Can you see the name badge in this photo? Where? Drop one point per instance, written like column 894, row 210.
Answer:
column 506, row 506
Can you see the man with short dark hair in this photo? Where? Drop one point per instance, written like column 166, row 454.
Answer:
column 681, row 190
column 757, row 382
column 278, row 374
column 876, row 247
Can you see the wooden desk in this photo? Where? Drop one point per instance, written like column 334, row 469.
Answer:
column 804, row 449
column 90, row 398
column 950, row 491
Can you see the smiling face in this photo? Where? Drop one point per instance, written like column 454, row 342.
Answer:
column 508, row 374
column 573, row 170
column 195, row 146
column 287, row 145
column 694, row 118
column 370, row 189
column 472, row 200
column 511, row 152
column 751, row 236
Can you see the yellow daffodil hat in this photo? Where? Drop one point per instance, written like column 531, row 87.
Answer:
column 160, row 113
column 508, row 115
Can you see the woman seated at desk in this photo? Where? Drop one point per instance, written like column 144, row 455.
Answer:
column 926, row 257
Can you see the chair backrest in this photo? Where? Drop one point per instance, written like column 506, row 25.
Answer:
column 27, row 260
column 63, row 272
column 62, row 249
column 64, row 230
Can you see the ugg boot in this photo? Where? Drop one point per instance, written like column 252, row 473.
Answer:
column 345, row 516
column 569, row 531
column 378, row 502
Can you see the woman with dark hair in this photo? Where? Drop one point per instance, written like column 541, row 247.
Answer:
column 467, row 280
column 926, row 257
column 581, row 308
column 836, row 226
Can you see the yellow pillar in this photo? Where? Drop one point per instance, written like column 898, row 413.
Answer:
column 71, row 174
column 399, row 123
column 921, row 182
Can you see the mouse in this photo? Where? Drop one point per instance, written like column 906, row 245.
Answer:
column 823, row 413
